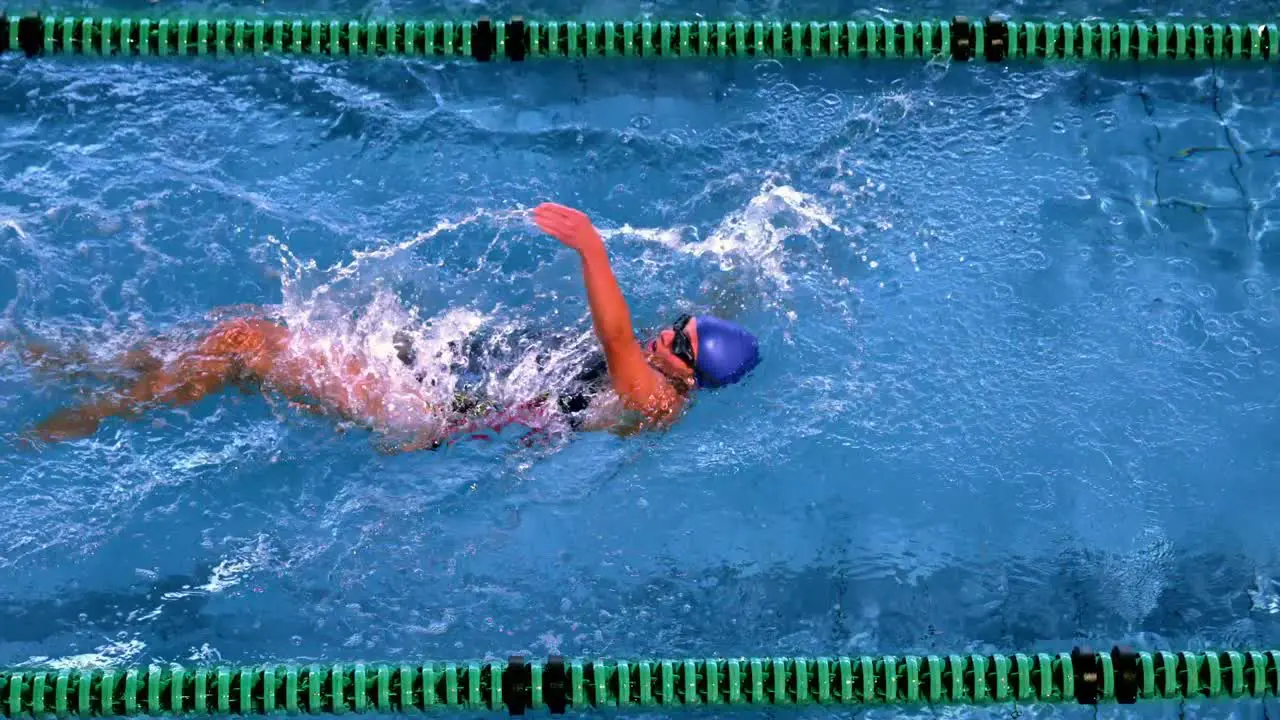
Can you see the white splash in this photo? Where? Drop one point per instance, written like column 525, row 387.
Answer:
column 227, row 574
column 229, row 571
column 345, row 316
column 113, row 654
column 1265, row 597
column 754, row 236
column 15, row 227
column 205, row 654
column 298, row 302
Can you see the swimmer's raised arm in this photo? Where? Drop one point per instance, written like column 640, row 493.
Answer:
column 640, row 386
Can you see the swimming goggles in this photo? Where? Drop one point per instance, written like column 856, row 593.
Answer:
column 681, row 345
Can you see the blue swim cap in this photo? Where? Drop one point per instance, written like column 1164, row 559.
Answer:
column 726, row 352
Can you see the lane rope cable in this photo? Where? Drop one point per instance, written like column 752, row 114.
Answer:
column 1083, row 676
column 959, row 39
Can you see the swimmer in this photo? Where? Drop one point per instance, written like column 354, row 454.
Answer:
column 648, row 383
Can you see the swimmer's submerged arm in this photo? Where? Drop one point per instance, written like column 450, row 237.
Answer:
column 421, row 441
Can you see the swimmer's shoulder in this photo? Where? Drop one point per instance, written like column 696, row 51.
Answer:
column 608, row 412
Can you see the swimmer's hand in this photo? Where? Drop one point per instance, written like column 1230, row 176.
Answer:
column 569, row 226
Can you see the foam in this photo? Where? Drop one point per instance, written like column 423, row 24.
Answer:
column 346, row 312
column 752, row 237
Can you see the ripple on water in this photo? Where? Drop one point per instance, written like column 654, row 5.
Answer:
column 1033, row 382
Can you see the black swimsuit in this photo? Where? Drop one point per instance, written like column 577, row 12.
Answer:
column 585, row 386
column 572, row 402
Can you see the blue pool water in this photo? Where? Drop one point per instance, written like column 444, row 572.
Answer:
column 1020, row 330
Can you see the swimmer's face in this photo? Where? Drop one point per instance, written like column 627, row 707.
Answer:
column 676, row 349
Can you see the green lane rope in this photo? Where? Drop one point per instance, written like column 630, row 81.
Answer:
column 1082, row 676
column 960, row 39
